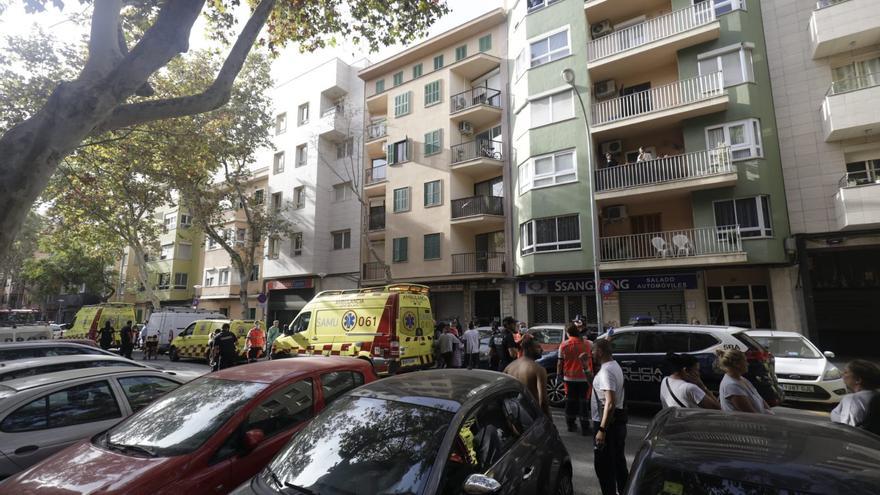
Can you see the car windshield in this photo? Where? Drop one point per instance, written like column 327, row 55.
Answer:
column 388, row 447
column 789, row 347
column 547, row 335
column 180, row 422
column 662, row 480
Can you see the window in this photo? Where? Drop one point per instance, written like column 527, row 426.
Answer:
column 548, row 170
column 258, row 196
column 460, row 52
column 180, row 280
column 141, row 390
column 170, row 222
column 553, row 108
column 550, row 234
column 398, row 152
column 857, row 74
column 280, row 123
column 745, row 306
column 380, row 86
column 433, row 142
column 80, row 404
column 278, row 163
column 167, row 252
column 345, row 148
column 624, row 342
column 397, row 78
column 240, row 236
column 296, row 244
column 433, row 193
column 223, row 278
column 342, row 192
column 302, row 155
column 210, row 277
column 438, row 62
column 432, row 93
column 743, row 138
column 401, row 199
column 299, row 197
column 283, row 410
column 400, row 246
column 486, row 43
column 734, row 64
column 432, row 246
column 273, row 248
column 255, row 273
column 549, row 48
column 303, row 114
column 751, row 214
column 337, row 383
column 401, row 104
column 534, row 5
column 185, row 221
column 725, row 6
column 277, row 199
column 341, row 239
column 417, row 71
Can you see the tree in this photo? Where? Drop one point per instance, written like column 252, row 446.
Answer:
column 23, row 248
column 112, row 92
column 67, row 270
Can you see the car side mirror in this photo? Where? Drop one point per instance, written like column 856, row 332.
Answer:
column 829, row 354
column 476, row 484
column 253, row 438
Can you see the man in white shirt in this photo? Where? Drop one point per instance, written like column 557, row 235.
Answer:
column 471, row 339
column 609, row 421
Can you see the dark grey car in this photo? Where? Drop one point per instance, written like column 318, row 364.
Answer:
column 432, row 432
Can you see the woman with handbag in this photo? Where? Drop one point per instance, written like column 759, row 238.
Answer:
column 684, row 387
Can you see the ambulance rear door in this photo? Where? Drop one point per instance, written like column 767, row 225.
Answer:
column 413, row 327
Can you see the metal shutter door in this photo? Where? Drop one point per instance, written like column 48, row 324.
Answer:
column 664, row 306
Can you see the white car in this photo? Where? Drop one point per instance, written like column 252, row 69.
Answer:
column 804, row 372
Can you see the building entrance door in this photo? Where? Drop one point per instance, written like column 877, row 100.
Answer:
column 487, row 306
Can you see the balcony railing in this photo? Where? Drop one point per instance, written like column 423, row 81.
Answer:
column 480, row 262
column 480, row 148
column 334, row 111
column 672, row 244
column 854, row 84
column 377, row 218
column 477, row 205
column 377, row 130
column 669, row 169
column 822, row 4
column 375, row 174
column 860, row 178
column 374, row 270
column 672, row 95
column 651, row 30
column 474, row 97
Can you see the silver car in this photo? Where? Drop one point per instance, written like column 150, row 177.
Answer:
column 41, row 415
column 11, row 370
column 47, row 348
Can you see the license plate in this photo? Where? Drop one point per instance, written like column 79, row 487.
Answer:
column 796, row 388
column 410, row 362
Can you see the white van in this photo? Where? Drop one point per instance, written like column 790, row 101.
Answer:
column 168, row 321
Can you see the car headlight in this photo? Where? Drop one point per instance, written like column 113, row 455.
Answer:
column 831, row 373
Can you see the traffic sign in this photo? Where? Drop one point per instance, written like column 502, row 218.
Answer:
column 261, row 298
column 606, row 288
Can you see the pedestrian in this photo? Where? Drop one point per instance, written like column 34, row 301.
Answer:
column 224, row 348
column 105, row 335
column 255, row 342
column 859, row 408
column 505, row 343
column 457, row 346
column 447, row 343
column 609, row 416
column 471, row 339
column 494, row 357
column 126, row 345
column 736, row 393
column 532, row 375
column 274, row 332
column 575, row 366
column 684, row 387
column 610, row 161
column 644, row 156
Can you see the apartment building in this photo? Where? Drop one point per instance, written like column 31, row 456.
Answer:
column 436, row 174
column 825, row 68
column 314, row 171
column 691, row 203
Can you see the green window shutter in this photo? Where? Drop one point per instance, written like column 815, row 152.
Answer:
column 438, row 62
column 432, row 93
column 432, row 246
column 404, row 251
column 380, row 86
column 486, row 43
column 460, row 52
column 417, row 70
column 391, row 159
column 398, row 78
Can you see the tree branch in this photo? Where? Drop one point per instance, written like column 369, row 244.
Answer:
column 104, row 51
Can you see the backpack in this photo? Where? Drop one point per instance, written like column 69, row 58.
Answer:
column 872, row 418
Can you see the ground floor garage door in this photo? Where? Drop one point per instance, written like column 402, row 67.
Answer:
column 447, row 305
column 663, row 306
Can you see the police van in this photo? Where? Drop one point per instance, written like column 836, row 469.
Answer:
column 392, row 326
column 90, row 319
column 641, row 353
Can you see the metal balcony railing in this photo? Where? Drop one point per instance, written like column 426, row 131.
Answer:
column 374, row 270
column 377, row 218
column 375, row 174
column 854, row 84
column 860, row 178
column 474, row 97
column 377, row 130
column 480, row 262
column 651, row 30
column 682, row 243
column 477, row 205
column 480, row 148
column 668, row 96
column 822, row 4
column 675, row 168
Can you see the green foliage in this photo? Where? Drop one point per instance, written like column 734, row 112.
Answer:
column 67, row 270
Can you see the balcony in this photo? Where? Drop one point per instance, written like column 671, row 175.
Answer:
column 841, row 26
column 475, row 66
column 375, row 179
column 677, row 174
column 850, row 108
column 377, row 104
column 659, row 107
column 478, row 159
column 482, row 210
column 674, row 248
column 482, row 262
column 377, row 130
column 596, row 10
column 373, row 271
column 857, row 203
column 333, row 124
column 651, row 44
column 480, row 106
column 376, row 222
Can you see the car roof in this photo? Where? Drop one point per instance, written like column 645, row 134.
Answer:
column 43, row 343
column 548, row 327
column 30, row 382
column 73, row 358
column 278, row 370
column 447, row 389
column 773, row 333
column 786, row 452
column 680, row 328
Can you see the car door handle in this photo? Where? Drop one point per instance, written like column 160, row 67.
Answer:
column 528, row 472
column 27, row 449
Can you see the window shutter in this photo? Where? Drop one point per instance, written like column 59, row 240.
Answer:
column 391, row 159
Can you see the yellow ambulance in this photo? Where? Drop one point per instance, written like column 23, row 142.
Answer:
column 193, row 342
column 391, row 326
column 90, row 319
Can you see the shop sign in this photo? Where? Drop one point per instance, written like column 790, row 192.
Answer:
column 620, row 283
column 290, row 283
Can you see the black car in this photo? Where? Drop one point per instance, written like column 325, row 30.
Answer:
column 428, row 432
column 694, row 451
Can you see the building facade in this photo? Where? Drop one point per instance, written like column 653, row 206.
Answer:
column 825, row 68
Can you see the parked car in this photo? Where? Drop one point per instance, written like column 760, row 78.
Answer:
column 41, row 415
column 696, row 451
column 548, row 336
column 38, row 349
column 58, row 329
column 427, row 432
column 207, row 436
column 641, row 352
column 38, row 366
column 804, row 372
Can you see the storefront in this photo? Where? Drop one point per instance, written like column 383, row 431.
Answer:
column 477, row 301
column 286, row 297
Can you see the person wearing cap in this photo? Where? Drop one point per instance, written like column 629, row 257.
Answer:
column 576, row 369
column 506, row 348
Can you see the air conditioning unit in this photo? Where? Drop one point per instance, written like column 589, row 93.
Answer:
column 613, row 147
column 466, row 128
column 600, row 29
column 614, row 212
column 603, row 90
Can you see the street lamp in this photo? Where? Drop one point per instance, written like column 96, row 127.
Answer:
column 568, row 77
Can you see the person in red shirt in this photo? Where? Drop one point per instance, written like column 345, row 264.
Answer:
column 576, row 368
column 255, row 341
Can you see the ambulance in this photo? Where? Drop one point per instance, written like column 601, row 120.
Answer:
column 193, row 342
column 90, row 319
column 391, row 326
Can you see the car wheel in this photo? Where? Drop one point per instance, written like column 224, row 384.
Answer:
column 172, row 354
column 564, row 486
column 555, row 391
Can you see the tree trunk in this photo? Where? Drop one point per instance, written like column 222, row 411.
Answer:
column 243, row 280
column 143, row 276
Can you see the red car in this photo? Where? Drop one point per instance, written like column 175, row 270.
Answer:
column 207, row 436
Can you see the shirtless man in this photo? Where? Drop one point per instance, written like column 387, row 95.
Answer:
column 530, row 373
